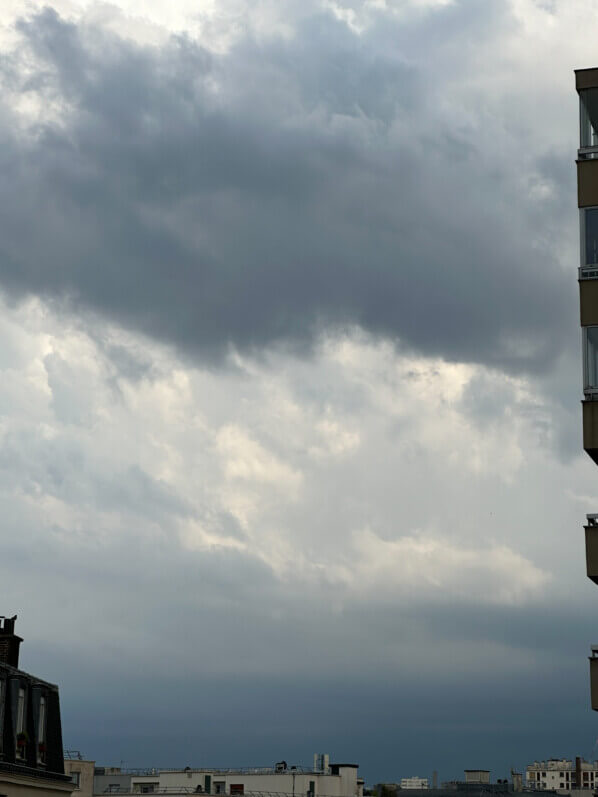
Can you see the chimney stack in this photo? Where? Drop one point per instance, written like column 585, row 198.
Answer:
column 9, row 641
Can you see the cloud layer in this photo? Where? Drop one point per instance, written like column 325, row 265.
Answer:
column 289, row 378
column 288, row 184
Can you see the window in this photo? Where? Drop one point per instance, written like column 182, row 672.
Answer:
column 41, row 731
column 219, row 787
column 21, row 711
column 113, row 788
column 590, row 359
column 2, row 698
column 20, row 725
column 76, row 778
column 588, row 225
column 588, row 118
column 148, row 788
column 237, row 788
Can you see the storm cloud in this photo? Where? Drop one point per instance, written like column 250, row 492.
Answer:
column 285, row 186
column 289, row 379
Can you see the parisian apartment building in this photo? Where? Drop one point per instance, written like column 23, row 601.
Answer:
column 31, row 754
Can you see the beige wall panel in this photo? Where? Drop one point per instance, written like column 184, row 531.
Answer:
column 592, row 552
column 588, row 302
column 586, row 79
column 590, row 428
column 594, row 683
column 587, row 183
column 85, row 770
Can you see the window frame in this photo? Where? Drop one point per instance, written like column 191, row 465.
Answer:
column 588, row 389
column 585, row 121
column 41, row 730
column 586, row 270
column 20, row 723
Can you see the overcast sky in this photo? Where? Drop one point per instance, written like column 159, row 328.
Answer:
column 290, row 435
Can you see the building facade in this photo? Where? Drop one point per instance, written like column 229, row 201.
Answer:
column 414, row 783
column 81, row 773
column 586, row 83
column 31, row 760
column 562, row 775
column 336, row 780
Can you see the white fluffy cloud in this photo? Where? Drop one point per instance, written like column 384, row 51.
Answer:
column 363, row 467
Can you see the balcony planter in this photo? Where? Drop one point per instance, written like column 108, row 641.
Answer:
column 41, row 747
column 22, row 738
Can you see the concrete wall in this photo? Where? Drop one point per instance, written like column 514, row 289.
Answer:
column 587, row 183
column 20, row 786
column 103, row 783
column 342, row 785
column 588, row 302
column 85, row 770
column 586, row 79
column 590, row 428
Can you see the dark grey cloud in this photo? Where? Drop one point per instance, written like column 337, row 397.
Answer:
column 258, row 196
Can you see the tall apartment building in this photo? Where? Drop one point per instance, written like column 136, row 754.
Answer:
column 586, row 83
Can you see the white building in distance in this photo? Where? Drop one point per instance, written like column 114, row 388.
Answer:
column 281, row 780
column 414, row 783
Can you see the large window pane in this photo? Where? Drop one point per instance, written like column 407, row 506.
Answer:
column 588, row 122
column 591, row 347
column 590, row 223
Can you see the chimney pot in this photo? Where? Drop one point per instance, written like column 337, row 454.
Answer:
column 9, row 641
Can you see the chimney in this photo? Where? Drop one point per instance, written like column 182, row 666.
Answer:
column 578, row 783
column 9, row 641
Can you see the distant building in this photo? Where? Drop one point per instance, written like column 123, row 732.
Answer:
column 414, row 783
column 477, row 776
column 111, row 780
column 335, row 780
column 81, row 773
column 476, row 783
column 562, row 775
column 31, row 761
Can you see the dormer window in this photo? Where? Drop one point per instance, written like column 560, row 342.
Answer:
column 41, row 731
column 22, row 738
